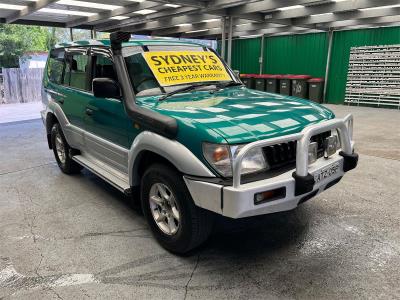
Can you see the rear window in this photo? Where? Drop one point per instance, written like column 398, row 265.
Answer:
column 55, row 65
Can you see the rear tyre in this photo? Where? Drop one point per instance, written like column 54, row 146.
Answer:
column 178, row 225
column 63, row 152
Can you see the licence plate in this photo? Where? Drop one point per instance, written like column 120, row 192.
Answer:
column 326, row 172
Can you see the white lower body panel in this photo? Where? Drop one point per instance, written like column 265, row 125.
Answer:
column 239, row 202
column 113, row 176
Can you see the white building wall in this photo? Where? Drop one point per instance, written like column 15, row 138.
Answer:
column 34, row 61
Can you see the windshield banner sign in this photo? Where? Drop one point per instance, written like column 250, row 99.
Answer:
column 182, row 67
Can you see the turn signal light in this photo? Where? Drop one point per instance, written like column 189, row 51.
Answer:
column 220, row 153
column 269, row 195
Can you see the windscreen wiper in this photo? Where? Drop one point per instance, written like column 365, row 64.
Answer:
column 182, row 90
column 228, row 84
column 221, row 86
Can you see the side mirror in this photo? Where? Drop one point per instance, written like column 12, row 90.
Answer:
column 237, row 73
column 106, row 88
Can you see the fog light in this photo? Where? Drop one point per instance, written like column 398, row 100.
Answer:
column 330, row 145
column 312, row 152
column 336, row 134
column 269, row 195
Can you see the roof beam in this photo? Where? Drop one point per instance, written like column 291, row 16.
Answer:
column 29, row 9
column 263, row 26
column 254, row 9
column 265, row 31
column 171, row 22
column 224, row 4
column 218, row 4
column 40, row 23
column 244, row 26
column 189, row 3
column 168, row 13
column 367, row 21
column 285, row 30
column 266, row 5
column 105, row 15
column 364, row 26
column 300, row 31
column 327, row 7
column 350, row 15
column 178, row 30
column 257, row 17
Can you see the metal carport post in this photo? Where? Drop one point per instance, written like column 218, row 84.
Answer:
column 223, row 37
column 328, row 61
column 230, row 34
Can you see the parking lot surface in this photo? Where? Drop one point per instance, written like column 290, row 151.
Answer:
column 75, row 237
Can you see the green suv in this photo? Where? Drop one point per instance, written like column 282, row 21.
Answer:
column 170, row 123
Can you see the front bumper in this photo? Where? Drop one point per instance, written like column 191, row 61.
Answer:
column 237, row 201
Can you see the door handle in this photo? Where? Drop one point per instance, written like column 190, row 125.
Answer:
column 89, row 111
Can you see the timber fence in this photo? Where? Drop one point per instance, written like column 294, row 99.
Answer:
column 21, row 85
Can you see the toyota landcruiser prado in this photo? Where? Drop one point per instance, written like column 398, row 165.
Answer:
column 172, row 121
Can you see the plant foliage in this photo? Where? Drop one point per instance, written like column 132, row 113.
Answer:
column 16, row 40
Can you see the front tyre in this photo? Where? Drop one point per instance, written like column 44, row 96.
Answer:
column 175, row 221
column 62, row 151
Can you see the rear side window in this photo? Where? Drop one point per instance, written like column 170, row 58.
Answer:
column 55, row 65
column 75, row 74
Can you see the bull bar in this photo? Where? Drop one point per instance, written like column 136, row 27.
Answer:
column 345, row 131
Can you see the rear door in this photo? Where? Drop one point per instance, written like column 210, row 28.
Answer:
column 76, row 91
column 53, row 77
column 106, row 122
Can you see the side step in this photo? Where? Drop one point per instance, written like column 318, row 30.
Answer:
column 112, row 176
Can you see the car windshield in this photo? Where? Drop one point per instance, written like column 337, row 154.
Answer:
column 156, row 70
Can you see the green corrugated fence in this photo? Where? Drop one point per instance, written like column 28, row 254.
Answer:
column 296, row 54
column 307, row 54
column 245, row 55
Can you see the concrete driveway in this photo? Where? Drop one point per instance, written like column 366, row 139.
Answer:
column 75, row 237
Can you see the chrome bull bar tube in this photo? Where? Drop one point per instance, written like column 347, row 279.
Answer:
column 345, row 131
column 348, row 120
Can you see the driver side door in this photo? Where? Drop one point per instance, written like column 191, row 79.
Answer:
column 106, row 122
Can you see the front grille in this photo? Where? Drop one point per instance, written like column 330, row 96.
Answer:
column 284, row 154
column 280, row 155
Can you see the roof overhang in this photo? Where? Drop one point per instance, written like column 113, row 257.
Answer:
column 202, row 18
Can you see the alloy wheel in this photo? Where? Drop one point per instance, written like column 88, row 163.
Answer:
column 60, row 148
column 164, row 209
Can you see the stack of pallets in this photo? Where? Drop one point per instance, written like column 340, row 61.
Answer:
column 373, row 77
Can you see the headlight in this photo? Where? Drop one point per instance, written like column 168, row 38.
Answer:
column 253, row 161
column 221, row 157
